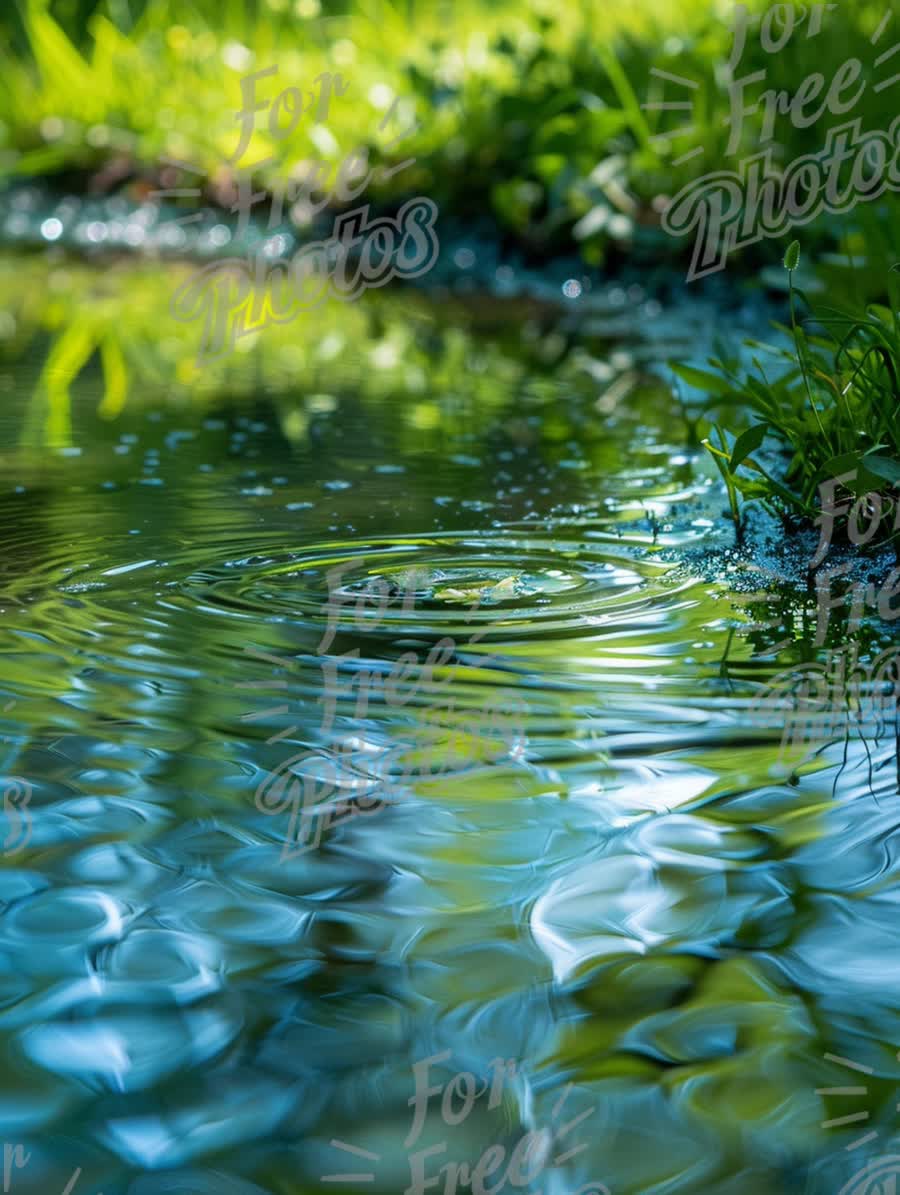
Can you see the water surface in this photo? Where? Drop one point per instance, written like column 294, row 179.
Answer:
column 440, row 589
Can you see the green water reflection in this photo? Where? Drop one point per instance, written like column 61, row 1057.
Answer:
column 430, row 555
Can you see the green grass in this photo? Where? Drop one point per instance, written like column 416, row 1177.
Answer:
column 826, row 408
column 530, row 112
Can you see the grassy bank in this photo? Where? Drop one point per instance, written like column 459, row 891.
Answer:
column 534, row 113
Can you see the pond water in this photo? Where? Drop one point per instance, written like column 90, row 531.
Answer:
column 377, row 733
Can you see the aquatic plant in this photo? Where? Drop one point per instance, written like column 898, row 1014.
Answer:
column 826, row 411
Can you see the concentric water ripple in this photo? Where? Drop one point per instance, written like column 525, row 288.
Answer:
column 504, row 583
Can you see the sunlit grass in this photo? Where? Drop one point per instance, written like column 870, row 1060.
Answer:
column 531, row 112
column 828, row 406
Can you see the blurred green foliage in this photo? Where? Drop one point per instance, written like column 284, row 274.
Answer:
column 531, row 112
column 76, row 338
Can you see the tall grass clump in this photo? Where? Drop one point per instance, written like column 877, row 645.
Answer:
column 826, row 408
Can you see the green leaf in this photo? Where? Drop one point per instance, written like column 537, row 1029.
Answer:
column 709, row 382
column 849, row 462
column 629, row 102
column 60, row 62
column 746, row 443
column 883, row 467
column 792, row 257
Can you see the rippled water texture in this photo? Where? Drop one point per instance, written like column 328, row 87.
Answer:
column 406, row 736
